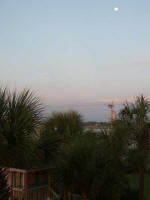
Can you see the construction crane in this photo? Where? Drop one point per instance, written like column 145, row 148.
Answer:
column 113, row 113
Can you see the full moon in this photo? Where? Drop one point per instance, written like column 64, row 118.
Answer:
column 116, row 9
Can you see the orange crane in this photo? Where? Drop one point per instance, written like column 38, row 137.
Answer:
column 113, row 113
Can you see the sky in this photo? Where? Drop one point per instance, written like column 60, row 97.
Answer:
column 76, row 53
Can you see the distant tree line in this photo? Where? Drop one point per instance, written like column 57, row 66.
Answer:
column 94, row 123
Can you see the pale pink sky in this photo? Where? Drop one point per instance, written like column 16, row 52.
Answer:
column 75, row 54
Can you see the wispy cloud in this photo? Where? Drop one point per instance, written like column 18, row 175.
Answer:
column 144, row 61
column 113, row 100
column 110, row 100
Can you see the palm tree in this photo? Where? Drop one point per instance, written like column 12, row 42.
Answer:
column 48, row 147
column 3, row 116
column 64, row 124
column 4, row 189
column 56, row 131
column 134, row 121
column 20, row 117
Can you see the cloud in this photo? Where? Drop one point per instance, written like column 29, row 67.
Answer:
column 108, row 101
column 144, row 61
column 113, row 100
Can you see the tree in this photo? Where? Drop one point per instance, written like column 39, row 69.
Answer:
column 134, row 122
column 57, row 130
column 64, row 124
column 4, row 189
column 3, row 116
column 87, row 167
column 48, row 147
column 19, row 118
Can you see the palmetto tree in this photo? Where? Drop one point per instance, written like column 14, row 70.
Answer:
column 65, row 124
column 20, row 115
column 56, row 131
column 134, row 121
column 3, row 116
column 48, row 146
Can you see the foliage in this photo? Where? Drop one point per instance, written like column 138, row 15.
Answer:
column 4, row 189
column 133, row 123
column 20, row 115
column 57, row 130
column 130, row 194
column 135, row 119
column 64, row 124
column 48, row 147
column 134, row 184
column 88, row 167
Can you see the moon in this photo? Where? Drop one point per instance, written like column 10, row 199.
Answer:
column 116, row 9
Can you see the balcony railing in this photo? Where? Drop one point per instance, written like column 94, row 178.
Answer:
column 35, row 194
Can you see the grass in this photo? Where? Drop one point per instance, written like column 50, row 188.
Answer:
column 134, row 182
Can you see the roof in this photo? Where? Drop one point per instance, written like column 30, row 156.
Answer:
column 26, row 170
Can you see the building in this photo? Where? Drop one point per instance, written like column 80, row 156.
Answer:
column 30, row 184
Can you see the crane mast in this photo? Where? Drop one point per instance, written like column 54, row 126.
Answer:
column 113, row 113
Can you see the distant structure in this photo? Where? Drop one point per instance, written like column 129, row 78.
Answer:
column 113, row 113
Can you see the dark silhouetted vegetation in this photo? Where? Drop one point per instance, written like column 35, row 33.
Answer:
column 94, row 166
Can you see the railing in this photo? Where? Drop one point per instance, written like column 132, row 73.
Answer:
column 76, row 197
column 53, row 195
column 17, row 195
column 42, row 193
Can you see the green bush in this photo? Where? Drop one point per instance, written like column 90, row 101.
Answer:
column 130, row 194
